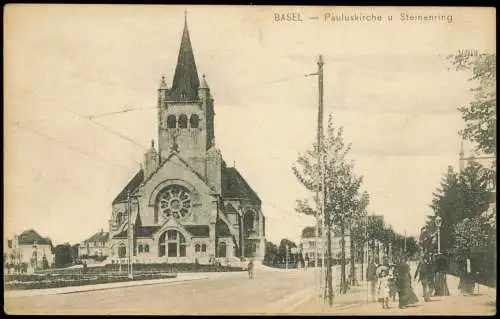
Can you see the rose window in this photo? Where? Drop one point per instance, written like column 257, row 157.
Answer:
column 175, row 201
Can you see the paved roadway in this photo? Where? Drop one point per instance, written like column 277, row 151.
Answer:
column 270, row 292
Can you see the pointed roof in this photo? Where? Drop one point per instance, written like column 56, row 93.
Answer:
column 100, row 236
column 204, row 84
column 30, row 236
column 131, row 186
column 234, row 186
column 186, row 82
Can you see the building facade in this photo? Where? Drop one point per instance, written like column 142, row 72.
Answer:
column 94, row 247
column 309, row 242
column 31, row 249
column 185, row 204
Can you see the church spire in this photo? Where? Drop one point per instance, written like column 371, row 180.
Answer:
column 186, row 82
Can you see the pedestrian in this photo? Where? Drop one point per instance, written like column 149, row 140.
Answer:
column 383, row 286
column 424, row 275
column 392, row 283
column 441, row 267
column 250, row 269
column 371, row 277
column 406, row 295
column 306, row 262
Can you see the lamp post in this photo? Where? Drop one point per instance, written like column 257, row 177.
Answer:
column 438, row 222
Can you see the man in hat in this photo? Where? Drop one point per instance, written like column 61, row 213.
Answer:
column 424, row 274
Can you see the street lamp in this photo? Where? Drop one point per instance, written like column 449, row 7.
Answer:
column 438, row 225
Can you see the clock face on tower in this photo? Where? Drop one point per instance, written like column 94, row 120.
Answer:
column 175, row 201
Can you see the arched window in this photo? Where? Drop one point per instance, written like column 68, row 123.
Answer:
column 222, row 249
column 146, row 248
column 171, row 121
column 173, row 244
column 197, row 248
column 203, row 248
column 122, row 251
column 140, row 248
column 251, row 220
column 183, row 121
column 194, row 120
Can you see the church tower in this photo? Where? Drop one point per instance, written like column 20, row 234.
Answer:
column 185, row 111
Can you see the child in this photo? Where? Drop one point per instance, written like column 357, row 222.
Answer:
column 384, row 288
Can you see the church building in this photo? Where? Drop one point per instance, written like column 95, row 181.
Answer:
column 185, row 204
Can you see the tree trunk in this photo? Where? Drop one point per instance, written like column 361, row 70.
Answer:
column 362, row 262
column 343, row 282
column 329, row 267
column 353, row 261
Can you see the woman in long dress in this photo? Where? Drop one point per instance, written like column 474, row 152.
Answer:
column 441, row 288
column 406, row 294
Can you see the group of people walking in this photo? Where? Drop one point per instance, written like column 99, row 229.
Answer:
column 390, row 279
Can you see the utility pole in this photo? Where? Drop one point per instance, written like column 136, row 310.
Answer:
column 130, row 234
column 320, row 191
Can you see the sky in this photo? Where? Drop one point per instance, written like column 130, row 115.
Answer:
column 388, row 85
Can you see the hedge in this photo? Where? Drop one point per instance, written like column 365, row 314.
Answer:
column 163, row 267
column 24, row 282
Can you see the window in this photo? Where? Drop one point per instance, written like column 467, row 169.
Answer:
column 197, row 248
column 251, row 220
column 146, row 248
column 140, row 248
column 222, row 249
column 183, row 121
column 171, row 121
column 122, row 251
column 174, row 201
column 203, row 248
column 194, row 120
column 173, row 243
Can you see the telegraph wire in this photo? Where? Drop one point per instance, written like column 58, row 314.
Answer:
column 89, row 118
column 155, row 107
column 76, row 149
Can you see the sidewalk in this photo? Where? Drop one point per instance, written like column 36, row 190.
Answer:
column 181, row 277
column 355, row 303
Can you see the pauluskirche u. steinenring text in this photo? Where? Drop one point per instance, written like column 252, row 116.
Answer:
column 372, row 17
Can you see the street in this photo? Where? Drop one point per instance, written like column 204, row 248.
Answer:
column 271, row 292
column 226, row 293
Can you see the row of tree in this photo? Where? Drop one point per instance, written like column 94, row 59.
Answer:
column 345, row 203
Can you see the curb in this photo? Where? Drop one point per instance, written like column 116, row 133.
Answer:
column 57, row 291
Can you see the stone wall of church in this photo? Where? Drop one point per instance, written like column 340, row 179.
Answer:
column 191, row 140
column 202, row 202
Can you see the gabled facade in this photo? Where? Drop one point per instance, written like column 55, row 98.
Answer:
column 186, row 204
column 29, row 248
column 95, row 246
